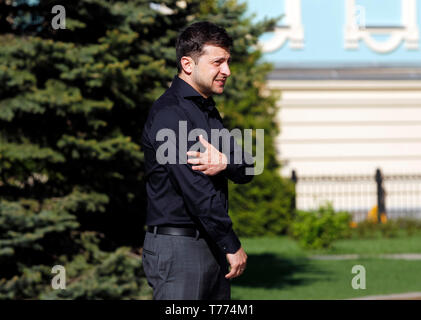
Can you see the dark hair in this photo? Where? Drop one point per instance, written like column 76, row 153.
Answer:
column 192, row 39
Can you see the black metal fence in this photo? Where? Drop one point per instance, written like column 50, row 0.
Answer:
column 397, row 195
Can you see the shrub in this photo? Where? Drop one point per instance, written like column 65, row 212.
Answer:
column 318, row 229
column 389, row 229
column 410, row 225
column 366, row 229
column 263, row 207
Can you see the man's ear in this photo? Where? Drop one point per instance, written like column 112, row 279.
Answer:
column 187, row 64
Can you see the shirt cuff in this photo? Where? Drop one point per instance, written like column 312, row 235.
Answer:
column 230, row 169
column 230, row 243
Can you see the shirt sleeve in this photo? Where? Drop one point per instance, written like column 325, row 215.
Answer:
column 197, row 189
column 238, row 161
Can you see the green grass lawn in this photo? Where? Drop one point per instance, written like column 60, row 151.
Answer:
column 279, row 269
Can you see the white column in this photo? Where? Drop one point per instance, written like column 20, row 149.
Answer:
column 351, row 28
column 293, row 7
column 409, row 18
column 292, row 30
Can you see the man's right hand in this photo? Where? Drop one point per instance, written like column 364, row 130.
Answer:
column 237, row 262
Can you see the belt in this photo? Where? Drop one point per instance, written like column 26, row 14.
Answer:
column 174, row 231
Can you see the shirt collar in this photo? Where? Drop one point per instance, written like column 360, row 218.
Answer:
column 188, row 92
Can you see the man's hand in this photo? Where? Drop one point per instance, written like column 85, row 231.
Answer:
column 237, row 262
column 210, row 162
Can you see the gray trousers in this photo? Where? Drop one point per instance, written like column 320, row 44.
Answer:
column 184, row 268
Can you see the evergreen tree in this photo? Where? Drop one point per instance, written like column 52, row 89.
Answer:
column 73, row 103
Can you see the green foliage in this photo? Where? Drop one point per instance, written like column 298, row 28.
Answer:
column 72, row 108
column 365, row 229
column 389, row 229
column 34, row 238
column 320, row 228
column 267, row 208
column 102, row 275
column 410, row 225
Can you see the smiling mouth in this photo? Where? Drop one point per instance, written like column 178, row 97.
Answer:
column 220, row 81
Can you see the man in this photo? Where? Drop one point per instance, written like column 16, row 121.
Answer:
column 190, row 249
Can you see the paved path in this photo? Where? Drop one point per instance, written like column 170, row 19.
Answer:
column 400, row 296
column 398, row 256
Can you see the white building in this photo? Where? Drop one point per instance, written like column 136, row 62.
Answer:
column 350, row 76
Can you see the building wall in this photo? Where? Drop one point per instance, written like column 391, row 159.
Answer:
column 342, row 127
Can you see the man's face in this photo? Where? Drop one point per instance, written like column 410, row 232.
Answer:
column 211, row 70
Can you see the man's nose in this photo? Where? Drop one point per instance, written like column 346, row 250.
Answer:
column 225, row 69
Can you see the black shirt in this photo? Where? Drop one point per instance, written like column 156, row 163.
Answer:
column 178, row 195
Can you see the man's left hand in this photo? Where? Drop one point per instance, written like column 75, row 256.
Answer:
column 210, row 162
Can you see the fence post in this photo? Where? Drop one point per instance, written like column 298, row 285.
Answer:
column 381, row 208
column 294, row 180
